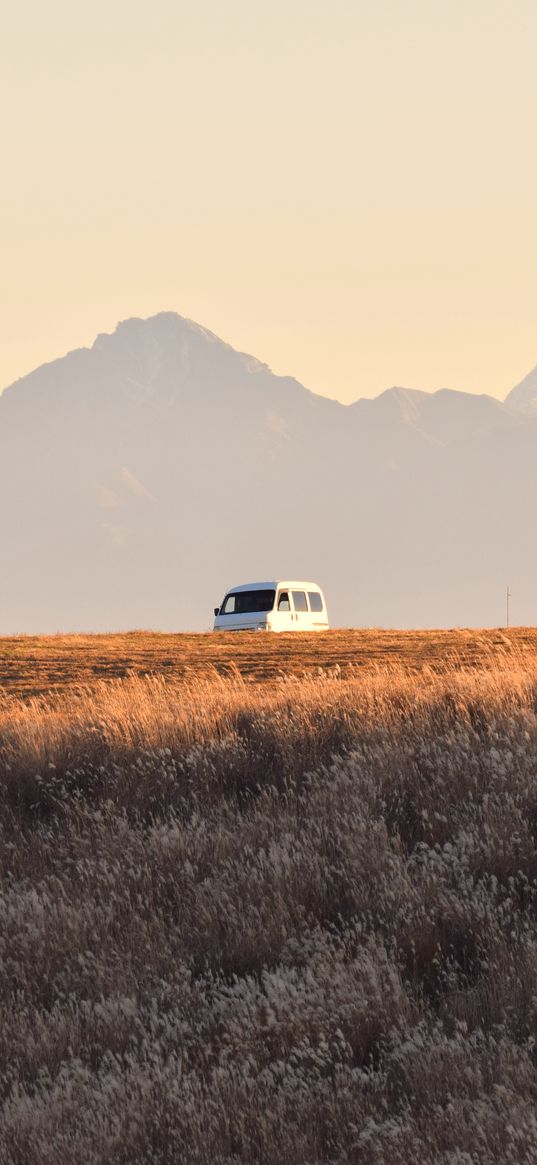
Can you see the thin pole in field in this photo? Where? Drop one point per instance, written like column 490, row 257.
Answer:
column 508, row 605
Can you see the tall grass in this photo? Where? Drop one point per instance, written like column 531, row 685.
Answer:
column 284, row 923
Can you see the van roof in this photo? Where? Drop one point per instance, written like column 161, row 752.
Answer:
column 273, row 585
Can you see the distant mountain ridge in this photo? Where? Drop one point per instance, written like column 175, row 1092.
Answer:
column 142, row 476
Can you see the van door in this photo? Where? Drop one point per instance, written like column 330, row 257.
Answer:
column 301, row 610
column 282, row 617
column 317, row 609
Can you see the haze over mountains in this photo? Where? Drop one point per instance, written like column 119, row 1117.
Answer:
column 143, row 476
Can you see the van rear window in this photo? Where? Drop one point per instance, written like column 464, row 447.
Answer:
column 246, row 602
column 316, row 602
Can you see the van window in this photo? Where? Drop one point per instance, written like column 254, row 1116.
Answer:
column 316, row 602
column 246, row 602
column 300, row 601
column 283, row 602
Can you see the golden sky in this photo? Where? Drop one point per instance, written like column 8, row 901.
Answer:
column 348, row 190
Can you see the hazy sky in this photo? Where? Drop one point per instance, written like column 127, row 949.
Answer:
column 346, row 189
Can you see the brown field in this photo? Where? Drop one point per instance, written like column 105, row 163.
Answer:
column 34, row 665
column 289, row 920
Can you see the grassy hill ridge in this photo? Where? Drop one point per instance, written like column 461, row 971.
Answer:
column 30, row 665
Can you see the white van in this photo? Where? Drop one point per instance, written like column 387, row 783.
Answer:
column 272, row 606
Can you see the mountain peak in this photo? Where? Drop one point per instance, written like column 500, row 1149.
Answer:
column 165, row 326
column 523, row 396
column 173, row 344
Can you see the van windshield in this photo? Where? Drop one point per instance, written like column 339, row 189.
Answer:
column 245, row 602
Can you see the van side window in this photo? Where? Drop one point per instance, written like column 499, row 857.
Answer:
column 300, row 601
column 283, row 602
column 316, row 602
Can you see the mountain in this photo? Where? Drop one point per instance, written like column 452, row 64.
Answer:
column 141, row 477
column 524, row 396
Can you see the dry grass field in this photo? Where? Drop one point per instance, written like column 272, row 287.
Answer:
column 32, row 665
column 269, row 900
